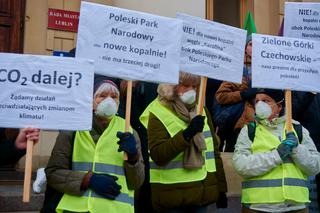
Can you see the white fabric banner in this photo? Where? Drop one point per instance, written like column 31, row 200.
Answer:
column 46, row 92
column 285, row 63
column 212, row 49
column 128, row 44
column 302, row 20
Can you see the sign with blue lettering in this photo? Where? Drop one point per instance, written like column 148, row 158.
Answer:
column 46, row 92
column 302, row 20
column 212, row 49
column 285, row 63
column 128, row 44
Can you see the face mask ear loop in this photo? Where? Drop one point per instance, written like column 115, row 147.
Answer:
column 280, row 101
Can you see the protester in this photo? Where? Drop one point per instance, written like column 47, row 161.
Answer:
column 274, row 163
column 232, row 93
column 186, row 171
column 142, row 94
column 89, row 166
column 12, row 150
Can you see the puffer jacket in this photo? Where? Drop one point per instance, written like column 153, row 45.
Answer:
column 249, row 165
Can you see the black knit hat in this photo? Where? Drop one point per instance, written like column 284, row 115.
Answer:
column 276, row 95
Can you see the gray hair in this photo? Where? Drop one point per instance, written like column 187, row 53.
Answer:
column 107, row 87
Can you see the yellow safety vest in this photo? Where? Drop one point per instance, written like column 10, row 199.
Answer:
column 103, row 158
column 174, row 172
column 285, row 182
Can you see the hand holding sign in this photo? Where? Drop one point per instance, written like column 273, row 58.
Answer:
column 27, row 134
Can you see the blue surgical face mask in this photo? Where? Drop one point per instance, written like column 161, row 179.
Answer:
column 107, row 108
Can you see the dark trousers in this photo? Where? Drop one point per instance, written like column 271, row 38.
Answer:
column 318, row 188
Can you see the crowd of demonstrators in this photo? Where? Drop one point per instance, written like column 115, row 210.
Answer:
column 231, row 94
column 13, row 149
column 274, row 163
column 186, row 170
column 306, row 110
column 174, row 163
column 88, row 167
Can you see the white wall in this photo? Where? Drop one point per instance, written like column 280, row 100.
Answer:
column 167, row 8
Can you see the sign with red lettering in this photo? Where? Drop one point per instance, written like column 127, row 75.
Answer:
column 63, row 20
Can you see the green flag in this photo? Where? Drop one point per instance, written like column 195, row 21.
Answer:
column 249, row 24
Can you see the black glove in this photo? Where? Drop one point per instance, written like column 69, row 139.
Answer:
column 222, row 202
column 127, row 143
column 284, row 151
column 248, row 94
column 105, row 185
column 196, row 125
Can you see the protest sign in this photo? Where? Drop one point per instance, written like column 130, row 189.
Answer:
column 302, row 20
column 46, row 92
column 212, row 49
column 128, row 44
column 285, row 63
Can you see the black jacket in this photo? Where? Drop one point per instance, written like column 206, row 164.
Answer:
column 306, row 110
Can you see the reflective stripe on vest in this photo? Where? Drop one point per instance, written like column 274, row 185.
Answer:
column 99, row 167
column 124, row 198
column 101, row 157
column 178, row 164
column 284, row 182
column 174, row 172
column 274, row 183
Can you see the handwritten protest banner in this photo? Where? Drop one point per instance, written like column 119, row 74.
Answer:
column 302, row 20
column 285, row 63
column 128, row 44
column 46, row 92
column 212, row 49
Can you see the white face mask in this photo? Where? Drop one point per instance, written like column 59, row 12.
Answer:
column 263, row 110
column 189, row 97
column 107, row 108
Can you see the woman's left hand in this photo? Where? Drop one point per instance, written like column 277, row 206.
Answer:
column 127, row 143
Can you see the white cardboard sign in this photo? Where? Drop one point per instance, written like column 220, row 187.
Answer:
column 46, row 92
column 302, row 20
column 212, row 49
column 128, row 44
column 285, row 63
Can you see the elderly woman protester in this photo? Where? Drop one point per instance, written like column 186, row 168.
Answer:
column 186, row 171
column 89, row 167
column 274, row 163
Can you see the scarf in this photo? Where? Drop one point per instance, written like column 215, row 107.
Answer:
column 192, row 156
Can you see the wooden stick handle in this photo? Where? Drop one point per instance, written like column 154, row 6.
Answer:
column 128, row 105
column 27, row 172
column 128, row 110
column 288, row 110
column 203, row 84
column 202, row 94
